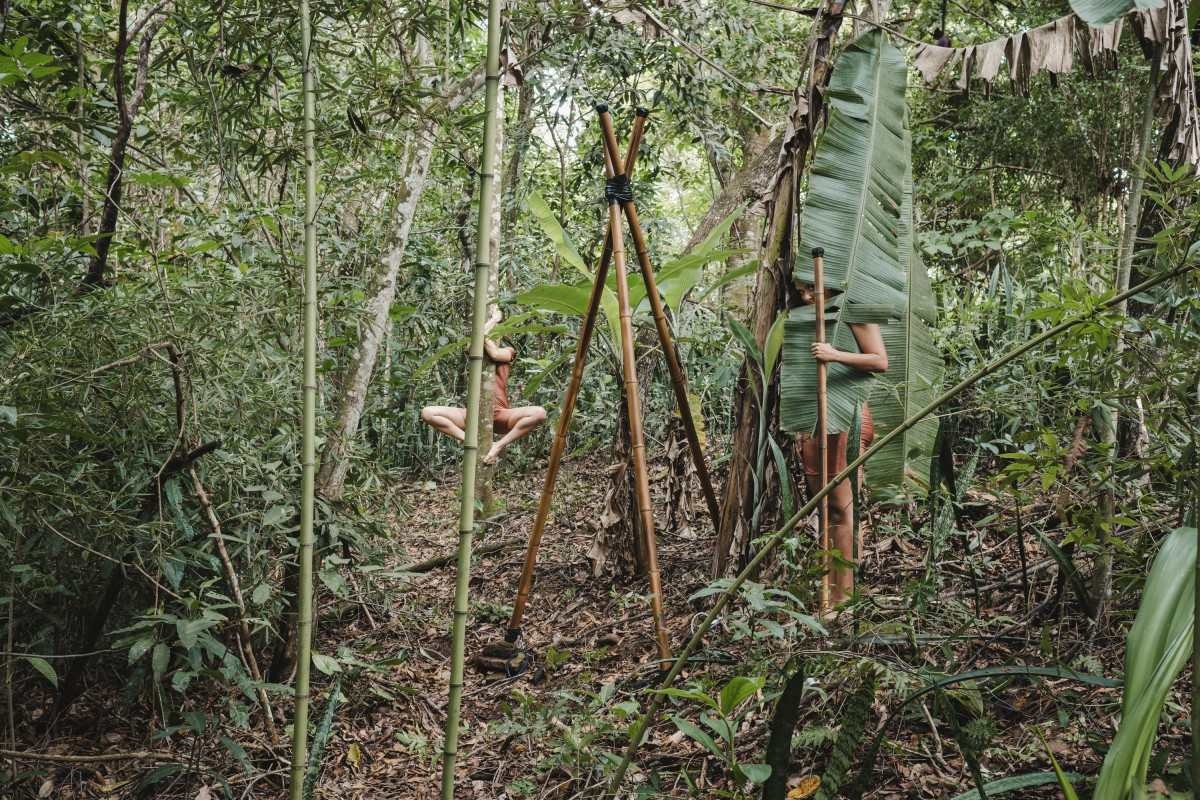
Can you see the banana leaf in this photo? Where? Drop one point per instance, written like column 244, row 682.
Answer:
column 1156, row 651
column 915, row 367
column 852, row 211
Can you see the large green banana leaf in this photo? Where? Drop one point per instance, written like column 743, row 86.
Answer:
column 852, row 211
column 915, row 367
column 1102, row 12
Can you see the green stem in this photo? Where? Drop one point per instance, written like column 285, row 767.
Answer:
column 466, row 519
column 638, row 730
column 308, row 459
column 1102, row 579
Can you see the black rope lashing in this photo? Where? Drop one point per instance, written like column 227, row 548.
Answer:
column 618, row 189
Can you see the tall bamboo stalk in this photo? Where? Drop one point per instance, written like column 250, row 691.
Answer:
column 308, row 458
column 1102, row 579
column 818, row 256
column 638, row 729
column 466, row 517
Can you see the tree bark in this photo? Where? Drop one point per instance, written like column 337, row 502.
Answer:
column 770, row 295
column 486, row 474
column 381, row 282
column 128, row 106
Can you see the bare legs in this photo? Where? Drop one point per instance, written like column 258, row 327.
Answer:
column 520, row 422
column 841, row 511
column 447, row 420
column 515, row 422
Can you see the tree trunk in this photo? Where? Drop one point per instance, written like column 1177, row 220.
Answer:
column 770, row 298
column 485, row 477
column 381, row 283
column 127, row 110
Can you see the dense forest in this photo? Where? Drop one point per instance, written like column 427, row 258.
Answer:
column 590, row 398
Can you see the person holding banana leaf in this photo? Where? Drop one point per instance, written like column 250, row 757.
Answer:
column 870, row 358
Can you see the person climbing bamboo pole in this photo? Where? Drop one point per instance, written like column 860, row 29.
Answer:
column 466, row 527
column 308, row 456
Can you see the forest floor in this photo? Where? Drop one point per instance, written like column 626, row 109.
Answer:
column 546, row 732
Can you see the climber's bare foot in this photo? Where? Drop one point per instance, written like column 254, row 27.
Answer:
column 493, row 455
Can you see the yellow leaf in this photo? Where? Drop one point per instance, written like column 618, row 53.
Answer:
column 354, row 754
column 806, row 788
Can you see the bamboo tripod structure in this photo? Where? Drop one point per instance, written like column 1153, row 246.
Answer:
column 620, row 200
column 818, row 255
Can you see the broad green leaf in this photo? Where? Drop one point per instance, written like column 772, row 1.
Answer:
column 756, row 773
column 734, row 693
column 572, row 299
column 43, row 667
column 747, row 339
column 852, row 211
column 1102, row 12
column 549, row 223
column 915, row 367
column 159, row 661
column 680, row 276
column 6, row 245
column 1156, row 650
column 327, row 664
column 139, row 648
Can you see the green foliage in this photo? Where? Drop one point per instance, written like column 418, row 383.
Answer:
column 1156, row 650
column 915, row 367
column 852, row 211
column 722, row 717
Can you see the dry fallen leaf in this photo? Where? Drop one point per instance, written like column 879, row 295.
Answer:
column 354, row 754
column 204, row 794
column 47, row 788
column 807, row 787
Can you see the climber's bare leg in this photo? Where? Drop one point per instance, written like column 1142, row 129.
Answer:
column 447, row 420
column 521, row 422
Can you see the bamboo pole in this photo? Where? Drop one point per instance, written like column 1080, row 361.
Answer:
column 558, row 447
column 633, row 404
column 818, row 256
column 308, row 458
column 662, row 326
column 638, row 729
column 466, row 519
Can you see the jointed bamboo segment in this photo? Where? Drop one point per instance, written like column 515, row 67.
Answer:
column 663, row 328
column 636, row 433
column 822, row 426
column 525, row 586
column 474, row 385
column 308, row 456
